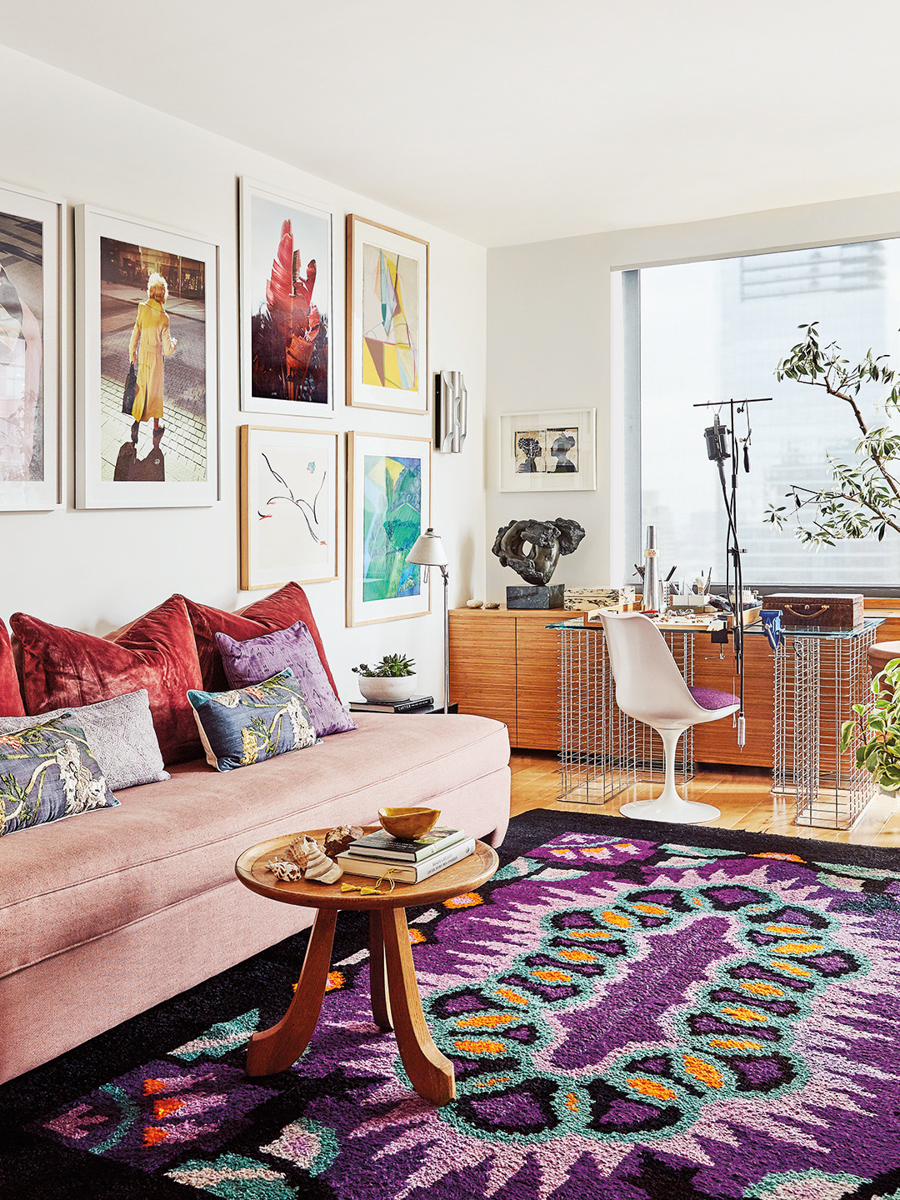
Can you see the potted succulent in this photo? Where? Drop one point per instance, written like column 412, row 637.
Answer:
column 878, row 727
column 389, row 681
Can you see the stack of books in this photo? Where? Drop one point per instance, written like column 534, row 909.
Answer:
column 413, row 704
column 410, row 862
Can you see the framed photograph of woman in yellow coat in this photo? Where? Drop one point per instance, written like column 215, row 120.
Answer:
column 147, row 398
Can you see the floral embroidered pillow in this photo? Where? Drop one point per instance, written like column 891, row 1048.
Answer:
column 251, row 724
column 47, row 772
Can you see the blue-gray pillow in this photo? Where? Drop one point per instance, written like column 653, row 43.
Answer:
column 47, row 772
column 262, row 657
column 249, row 725
column 119, row 733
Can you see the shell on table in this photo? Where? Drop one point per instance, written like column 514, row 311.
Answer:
column 337, row 840
column 308, row 860
column 289, row 872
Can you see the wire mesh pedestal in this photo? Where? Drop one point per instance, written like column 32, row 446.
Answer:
column 602, row 751
column 819, row 676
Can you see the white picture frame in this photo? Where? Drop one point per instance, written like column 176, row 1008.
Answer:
column 273, row 379
column 564, row 440
column 387, row 318
column 32, row 258
column 380, row 586
column 289, row 506
column 114, row 257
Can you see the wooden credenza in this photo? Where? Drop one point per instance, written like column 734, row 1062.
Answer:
column 504, row 663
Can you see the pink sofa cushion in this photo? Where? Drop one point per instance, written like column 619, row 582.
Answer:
column 63, row 667
column 181, row 839
column 10, row 697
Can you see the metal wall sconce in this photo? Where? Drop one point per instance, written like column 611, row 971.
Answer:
column 451, row 411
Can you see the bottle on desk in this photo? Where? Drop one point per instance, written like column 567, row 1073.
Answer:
column 650, row 602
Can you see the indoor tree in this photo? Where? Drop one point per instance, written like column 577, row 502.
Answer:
column 863, row 497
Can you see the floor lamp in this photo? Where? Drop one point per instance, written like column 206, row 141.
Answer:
column 428, row 551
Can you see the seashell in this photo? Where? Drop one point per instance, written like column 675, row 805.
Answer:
column 299, row 849
column 289, row 872
column 474, row 603
column 338, row 839
column 319, row 867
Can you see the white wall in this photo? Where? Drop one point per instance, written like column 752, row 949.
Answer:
column 96, row 570
column 550, row 346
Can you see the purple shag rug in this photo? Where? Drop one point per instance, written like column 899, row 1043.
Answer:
column 634, row 1011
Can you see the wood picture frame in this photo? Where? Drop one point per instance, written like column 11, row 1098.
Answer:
column 164, row 451
column 286, row 303
column 388, row 507
column 548, row 451
column 32, row 336
column 387, row 318
column 289, row 506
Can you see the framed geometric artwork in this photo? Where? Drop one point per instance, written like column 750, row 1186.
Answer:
column 31, row 255
column 388, row 507
column 387, row 318
column 146, row 437
column 552, row 451
column 286, row 304
column 289, row 500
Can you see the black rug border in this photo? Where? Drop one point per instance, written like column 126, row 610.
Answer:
column 553, row 822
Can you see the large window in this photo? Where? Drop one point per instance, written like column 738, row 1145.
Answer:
column 709, row 331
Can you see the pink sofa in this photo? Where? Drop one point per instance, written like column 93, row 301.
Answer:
column 105, row 914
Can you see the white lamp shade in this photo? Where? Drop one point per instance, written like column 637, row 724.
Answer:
column 428, row 551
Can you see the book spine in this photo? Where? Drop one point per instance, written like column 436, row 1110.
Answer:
column 405, row 856
column 407, row 873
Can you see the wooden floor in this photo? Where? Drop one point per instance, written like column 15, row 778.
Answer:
column 743, row 795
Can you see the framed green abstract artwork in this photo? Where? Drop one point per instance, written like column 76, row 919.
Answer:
column 389, row 504
column 387, row 318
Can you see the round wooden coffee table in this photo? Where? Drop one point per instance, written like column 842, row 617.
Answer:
column 395, row 997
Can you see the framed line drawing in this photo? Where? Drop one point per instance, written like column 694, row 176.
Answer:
column 548, row 451
column 388, row 506
column 147, row 297
column 387, row 318
column 289, row 506
column 286, row 286
column 31, row 258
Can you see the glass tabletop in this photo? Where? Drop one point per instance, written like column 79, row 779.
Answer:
column 756, row 628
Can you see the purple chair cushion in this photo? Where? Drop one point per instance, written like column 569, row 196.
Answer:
column 260, row 658
column 711, row 698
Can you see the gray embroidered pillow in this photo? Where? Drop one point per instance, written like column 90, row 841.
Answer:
column 120, row 735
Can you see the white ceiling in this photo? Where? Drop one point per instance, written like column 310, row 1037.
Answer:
column 517, row 120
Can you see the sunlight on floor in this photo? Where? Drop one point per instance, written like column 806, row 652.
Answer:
column 743, row 796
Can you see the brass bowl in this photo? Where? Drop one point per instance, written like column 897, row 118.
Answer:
column 407, row 824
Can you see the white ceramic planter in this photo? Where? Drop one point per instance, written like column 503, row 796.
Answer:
column 387, row 689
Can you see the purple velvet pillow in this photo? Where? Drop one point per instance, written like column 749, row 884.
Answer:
column 262, row 657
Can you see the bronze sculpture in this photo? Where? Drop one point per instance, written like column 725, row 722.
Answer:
column 532, row 548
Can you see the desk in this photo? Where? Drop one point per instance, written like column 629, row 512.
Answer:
column 818, row 676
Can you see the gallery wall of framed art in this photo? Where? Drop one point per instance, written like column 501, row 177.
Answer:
column 289, row 506
column 287, row 304
column 388, row 507
column 387, row 318
column 32, row 244
column 147, row 297
column 125, row 557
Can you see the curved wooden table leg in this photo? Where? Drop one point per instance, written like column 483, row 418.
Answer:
column 429, row 1071
column 381, row 1001
column 279, row 1047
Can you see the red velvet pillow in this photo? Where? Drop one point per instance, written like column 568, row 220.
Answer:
column 10, row 697
column 156, row 652
column 282, row 609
